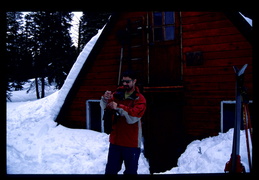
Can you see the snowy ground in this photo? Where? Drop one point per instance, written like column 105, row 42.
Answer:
column 36, row 145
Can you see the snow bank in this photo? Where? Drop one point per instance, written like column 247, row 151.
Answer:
column 210, row 155
column 35, row 145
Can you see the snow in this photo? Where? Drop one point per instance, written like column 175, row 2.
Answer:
column 250, row 21
column 36, row 145
column 62, row 93
column 210, row 155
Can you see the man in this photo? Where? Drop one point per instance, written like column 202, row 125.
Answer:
column 129, row 106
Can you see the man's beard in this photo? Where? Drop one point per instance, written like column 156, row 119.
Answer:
column 127, row 88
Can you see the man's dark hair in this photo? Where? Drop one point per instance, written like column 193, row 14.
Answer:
column 129, row 73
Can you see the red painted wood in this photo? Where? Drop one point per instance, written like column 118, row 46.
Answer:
column 204, row 86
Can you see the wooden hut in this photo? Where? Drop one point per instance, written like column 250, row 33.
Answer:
column 185, row 65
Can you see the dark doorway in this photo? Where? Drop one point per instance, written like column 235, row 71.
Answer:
column 163, row 130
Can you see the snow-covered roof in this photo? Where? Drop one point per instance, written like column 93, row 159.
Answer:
column 74, row 72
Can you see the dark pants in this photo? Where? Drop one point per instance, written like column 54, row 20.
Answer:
column 118, row 154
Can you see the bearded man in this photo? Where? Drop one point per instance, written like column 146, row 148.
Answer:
column 129, row 106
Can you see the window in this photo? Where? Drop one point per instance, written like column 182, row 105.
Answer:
column 228, row 115
column 163, row 26
column 94, row 114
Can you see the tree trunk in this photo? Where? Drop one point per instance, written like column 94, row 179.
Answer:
column 37, row 88
column 42, row 87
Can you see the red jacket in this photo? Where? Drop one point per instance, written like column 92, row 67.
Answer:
column 127, row 130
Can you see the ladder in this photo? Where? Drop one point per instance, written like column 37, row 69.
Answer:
column 134, row 45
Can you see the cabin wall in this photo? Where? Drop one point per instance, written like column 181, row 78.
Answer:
column 207, row 84
column 102, row 76
column 176, row 113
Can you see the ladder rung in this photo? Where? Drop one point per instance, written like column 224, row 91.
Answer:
column 136, row 46
column 136, row 59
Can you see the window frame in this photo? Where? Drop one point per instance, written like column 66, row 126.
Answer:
column 163, row 27
column 88, row 120
column 222, row 112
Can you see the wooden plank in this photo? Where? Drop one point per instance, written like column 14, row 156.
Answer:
column 212, row 71
column 207, row 25
column 208, row 70
column 75, row 122
column 199, row 131
column 102, row 75
column 202, row 109
column 99, row 81
column 209, row 86
column 210, row 123
column 77, row 112
column 193, row 13
column 215, row 94
column 203, row 120
column 213, row 40
column 210, row 32
column 112, row 48
column 92, row 93
column 214, row 78
column 105, row 68
column 227, row 54
column 88, row 88
column 163, row 89
column 206, row 17
column 218, row 47
column 214, row 86
column 85, row 98
column 202, row 102
column 239, row 61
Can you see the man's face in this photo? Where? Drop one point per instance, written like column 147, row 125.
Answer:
column 128, row 83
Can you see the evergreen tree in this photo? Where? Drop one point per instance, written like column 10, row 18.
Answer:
column 50, row 45
column 90, row 23
column 14, row 49
column 42, row 46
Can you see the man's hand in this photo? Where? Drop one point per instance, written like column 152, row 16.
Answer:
column 112, row 105
column 107, row 95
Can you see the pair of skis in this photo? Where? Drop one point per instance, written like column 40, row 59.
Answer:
column 234, row 165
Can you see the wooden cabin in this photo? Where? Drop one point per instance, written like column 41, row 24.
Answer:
column 185, row 65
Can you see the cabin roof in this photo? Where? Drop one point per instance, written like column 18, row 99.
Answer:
column 85, row 67
column 239, row 21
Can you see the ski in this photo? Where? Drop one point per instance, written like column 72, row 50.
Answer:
column 247, row 127
column 234, row 165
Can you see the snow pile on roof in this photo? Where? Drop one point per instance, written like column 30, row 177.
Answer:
column 63, row 92
column 250, row 21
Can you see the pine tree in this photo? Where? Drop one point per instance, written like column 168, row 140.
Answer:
column 90, row 23
column 50, row 45
column 13, row 58
column 13, row 48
